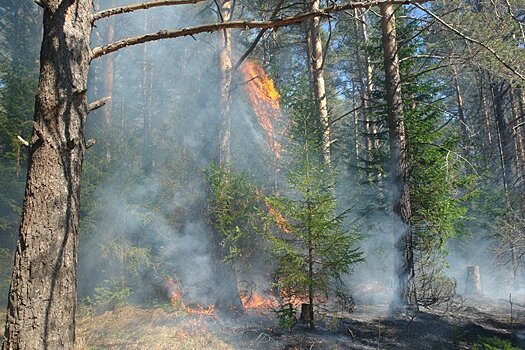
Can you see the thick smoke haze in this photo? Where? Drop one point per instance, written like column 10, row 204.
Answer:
column 149, row 227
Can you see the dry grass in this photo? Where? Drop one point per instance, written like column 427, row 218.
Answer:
column 145, row 329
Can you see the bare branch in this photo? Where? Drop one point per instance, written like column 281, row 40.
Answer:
column 427, row 57
column 142, row 6
column 40, row 3
column 472, row 40
column 245, row 25
column 90, row 143
column 258, row 38
column 22, row 141
column 98, row 103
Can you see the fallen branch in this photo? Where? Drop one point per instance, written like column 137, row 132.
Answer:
column 143, row 6
column 93, row 106
column 245, row 25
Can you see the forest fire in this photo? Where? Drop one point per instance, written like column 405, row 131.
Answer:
column 265, row 100
column 257, row 301
column 175, row 294
column 280, row 220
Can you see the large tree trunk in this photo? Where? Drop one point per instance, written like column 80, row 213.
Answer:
column 42, row 297
column 227, row 292
column 404, row 264
column 316, row 60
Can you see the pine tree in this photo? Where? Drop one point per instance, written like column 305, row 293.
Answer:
column 314, row 248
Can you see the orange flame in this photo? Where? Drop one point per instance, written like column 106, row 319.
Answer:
column 257, row 301
column 265, row 100
column 175, row 295
column 280, row 220
column 201, row 310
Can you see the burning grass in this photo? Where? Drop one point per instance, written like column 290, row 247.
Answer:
column 145, row 329
column 459, row 326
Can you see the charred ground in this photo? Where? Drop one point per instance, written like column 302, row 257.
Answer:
column 458, row 325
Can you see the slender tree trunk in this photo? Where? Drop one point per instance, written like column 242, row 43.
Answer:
column 357, row 133
column 489, row 145
column 316, row 60
column 147, row 87
column 461, row 112
column 517, row 118
column 225, row 276
column 499, row 91
column 505, row 144
column 225, row 65
column 519, row 134
column 364, row 74
column 108, row 76
column 42, row 297
column 404, row 264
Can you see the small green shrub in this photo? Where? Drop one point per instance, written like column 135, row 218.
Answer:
column 286, row 316
column 493, row 343
column 109, row 297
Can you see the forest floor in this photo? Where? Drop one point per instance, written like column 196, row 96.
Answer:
column 459, row 325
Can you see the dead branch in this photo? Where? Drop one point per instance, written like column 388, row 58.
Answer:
column 245, row 25
column 22, row 141
column 93, row 106
column 40, row 3
column 258, row 38
column 90, row 143
column 143, row 6
column 472, row 40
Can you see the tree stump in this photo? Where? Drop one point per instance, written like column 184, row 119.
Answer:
column 473, row 282
column 307, row 313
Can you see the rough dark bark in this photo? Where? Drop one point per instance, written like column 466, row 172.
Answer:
column 42, row 297
column 404, row 263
